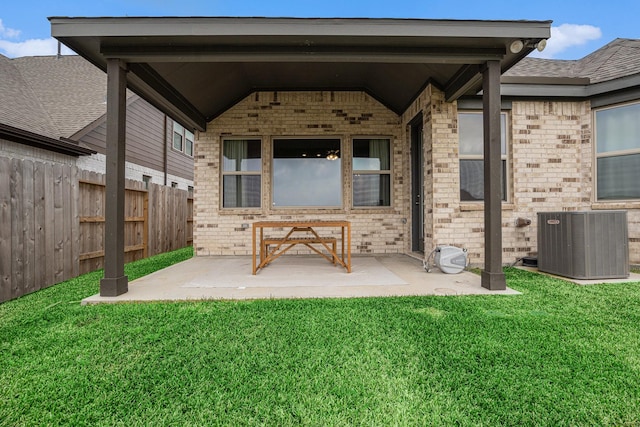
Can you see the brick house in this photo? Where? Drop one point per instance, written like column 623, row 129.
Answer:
column 549, row 155
column 380, row 122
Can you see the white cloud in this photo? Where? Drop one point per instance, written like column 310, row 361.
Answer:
column 566, row 36
column 8, row 33
column 33, row 47
column 11, row 47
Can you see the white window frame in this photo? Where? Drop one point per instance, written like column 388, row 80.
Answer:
column 616, row 153
column 184, row 135
column 388, row 172
column 189, row 142
column 504, row 157
column 224, row 173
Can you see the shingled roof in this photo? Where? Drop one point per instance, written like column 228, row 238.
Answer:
column 24, row 118
column 71, row 90
column 620, row 58
column 19, row 106
column 59, row 96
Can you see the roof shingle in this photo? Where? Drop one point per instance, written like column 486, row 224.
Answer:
column 71, row 90
column 620, row 58
column 19, row 105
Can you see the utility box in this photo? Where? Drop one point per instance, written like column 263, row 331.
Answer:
column 584, row 245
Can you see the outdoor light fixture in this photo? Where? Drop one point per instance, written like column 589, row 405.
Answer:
column 541, row 45
column 332, row 155
column 516, row 46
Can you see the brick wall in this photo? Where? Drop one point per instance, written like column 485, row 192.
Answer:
column 549, row 169
column 550, row 158
column 266, row 115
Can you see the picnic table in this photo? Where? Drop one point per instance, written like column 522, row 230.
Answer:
column 301, row 233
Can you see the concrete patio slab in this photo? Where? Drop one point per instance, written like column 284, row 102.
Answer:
column 211, row 278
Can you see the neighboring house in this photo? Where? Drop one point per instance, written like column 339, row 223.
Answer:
column 26, row 130
column 67, row 102
column 52, row 139
column 398, row 100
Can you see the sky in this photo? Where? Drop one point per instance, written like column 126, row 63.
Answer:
column 579, row 27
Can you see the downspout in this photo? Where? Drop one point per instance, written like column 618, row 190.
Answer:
column 165, row 151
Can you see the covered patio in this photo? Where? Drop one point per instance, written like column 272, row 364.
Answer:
column 196, row 69
column 230, row 278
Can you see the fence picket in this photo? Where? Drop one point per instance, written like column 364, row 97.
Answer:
column 5, row 229
column 52, row 223
column 40, row 253
column 17, row 236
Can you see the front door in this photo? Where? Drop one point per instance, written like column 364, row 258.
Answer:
column 417, row 186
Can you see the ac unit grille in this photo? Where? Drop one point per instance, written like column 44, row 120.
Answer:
column 584, row 245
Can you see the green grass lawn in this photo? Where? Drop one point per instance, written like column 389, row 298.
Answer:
column 559, row 354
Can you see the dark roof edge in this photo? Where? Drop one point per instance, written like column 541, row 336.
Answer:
column 551, row 90
column 232, row 26
column 542, row 80
column 21, row 136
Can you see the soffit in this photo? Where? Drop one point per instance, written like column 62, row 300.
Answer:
column 196, row 68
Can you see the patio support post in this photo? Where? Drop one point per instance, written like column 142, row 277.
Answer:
column 492, row 276
column 115, row 282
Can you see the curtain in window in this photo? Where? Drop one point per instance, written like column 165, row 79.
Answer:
column 618, row 128
column 234, row 153
column 379, row 148
column 471, row 149
column 241, row 190
column 618, row 177
column 618, row 133
column 371, row 189
column 471, row 180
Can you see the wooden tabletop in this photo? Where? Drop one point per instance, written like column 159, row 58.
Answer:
column 297, row 223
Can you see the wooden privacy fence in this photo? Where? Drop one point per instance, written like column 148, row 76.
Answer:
column 157, row 220
column 52, row 223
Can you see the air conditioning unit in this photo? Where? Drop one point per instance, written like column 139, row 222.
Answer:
column 584, row 245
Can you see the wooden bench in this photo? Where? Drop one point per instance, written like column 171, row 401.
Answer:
column 271, row 247
column 292, row 241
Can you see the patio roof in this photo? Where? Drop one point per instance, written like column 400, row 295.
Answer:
column 195, row 68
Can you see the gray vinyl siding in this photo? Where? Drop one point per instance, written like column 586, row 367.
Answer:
column 147, row 136
column 178, row 163
column 96, row 138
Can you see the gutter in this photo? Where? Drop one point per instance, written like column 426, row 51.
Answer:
column 165, row 150
column 545, row 87
column 61, row 146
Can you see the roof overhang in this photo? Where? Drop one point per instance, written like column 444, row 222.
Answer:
column 21, row 136
column 195, row 68
column 570, row 87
